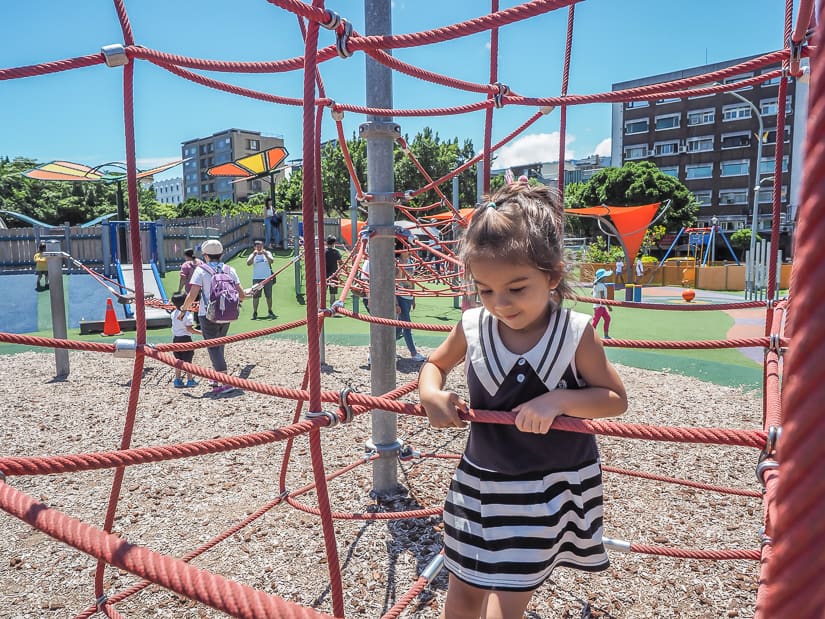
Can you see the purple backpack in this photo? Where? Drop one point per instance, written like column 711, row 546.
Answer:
column 224, row 301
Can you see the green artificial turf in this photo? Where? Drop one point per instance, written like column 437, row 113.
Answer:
column 723, row 367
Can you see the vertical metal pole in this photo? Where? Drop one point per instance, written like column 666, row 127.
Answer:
column 479, row 182
column 380, row 133
column 121, row 227
column 454, row 229
column 353, row 218
column 106, row 248
column 54, row 257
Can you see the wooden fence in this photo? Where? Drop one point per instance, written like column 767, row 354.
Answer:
column 162, row 241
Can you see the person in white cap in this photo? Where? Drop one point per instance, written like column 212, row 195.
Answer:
column 201, row 279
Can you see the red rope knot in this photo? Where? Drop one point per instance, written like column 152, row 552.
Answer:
column 498, row 98
column 114, row 55
column 343, row 32
column 344, row 406
column 333, row 20
column 767, row 459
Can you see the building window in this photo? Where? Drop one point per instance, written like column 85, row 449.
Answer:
column 664, row 101
column 737, row 111
column 635, row 152
column 702, row 170
column 701, row 117
column 672, row 170
column 735, row 168
column 700, row 144
column 704, row 197
column 770, row 135
column 636, row 126
column 769, row 107
column 253, row 145
column 671, row 121
column 202, row 149
column 766, row 194
column 739, row 78
column 728, row 197
column 736, row 140
column 774, row 81
column 666, row 148
column 767, row 164
column 630, row 105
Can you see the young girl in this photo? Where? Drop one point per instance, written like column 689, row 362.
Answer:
column 183, row 325
column 524, row 499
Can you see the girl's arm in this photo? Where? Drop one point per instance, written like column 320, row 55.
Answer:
column 189, row 300
column 604, row 395
column 442, row 407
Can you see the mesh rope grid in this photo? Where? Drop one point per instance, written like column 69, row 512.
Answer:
column 388, row 42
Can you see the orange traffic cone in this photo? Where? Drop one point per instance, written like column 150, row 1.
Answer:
column 110, row 325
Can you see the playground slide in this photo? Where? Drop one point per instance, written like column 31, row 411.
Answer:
column 152, row 284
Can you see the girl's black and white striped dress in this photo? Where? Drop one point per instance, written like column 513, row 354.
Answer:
column 521, row 504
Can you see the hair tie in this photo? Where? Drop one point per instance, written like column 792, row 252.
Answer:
column 491, row 205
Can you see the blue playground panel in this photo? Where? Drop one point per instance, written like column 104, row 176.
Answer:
column 20, row 303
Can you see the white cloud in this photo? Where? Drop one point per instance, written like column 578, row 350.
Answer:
column 534, row 148
column 603, row 148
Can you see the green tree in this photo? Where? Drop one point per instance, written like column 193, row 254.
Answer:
column 289, row 192
column 637, row 183
column 741, row 240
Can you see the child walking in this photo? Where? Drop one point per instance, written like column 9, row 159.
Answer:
column 600, row 310
column 524, row 498
column 183, row 325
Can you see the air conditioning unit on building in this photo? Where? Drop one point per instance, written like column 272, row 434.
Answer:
column 683, row 149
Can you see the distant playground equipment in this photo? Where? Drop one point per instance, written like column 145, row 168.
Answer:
column 702, row 244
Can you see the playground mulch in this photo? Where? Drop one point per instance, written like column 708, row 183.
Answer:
column 175, row 506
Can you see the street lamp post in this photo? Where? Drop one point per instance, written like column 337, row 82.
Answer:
column 749, row 284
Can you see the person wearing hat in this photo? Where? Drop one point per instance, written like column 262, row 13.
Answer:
column 599, row 309
column 212, row 251
column 261, row 261
column 332, row 262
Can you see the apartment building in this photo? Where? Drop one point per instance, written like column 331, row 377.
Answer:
column 222, row 147
column 711, row 143
column 169, row 191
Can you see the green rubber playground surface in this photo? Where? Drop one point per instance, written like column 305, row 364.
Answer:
column 723, row 367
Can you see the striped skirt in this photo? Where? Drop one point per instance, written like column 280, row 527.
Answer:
column 508, row 532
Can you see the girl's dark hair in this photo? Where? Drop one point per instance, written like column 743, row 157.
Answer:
column 178, row 298
column 520, row 224
column 189, row 252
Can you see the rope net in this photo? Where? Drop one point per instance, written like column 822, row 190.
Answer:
column 793, row 552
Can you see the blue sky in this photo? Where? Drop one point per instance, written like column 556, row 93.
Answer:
column 78, row 115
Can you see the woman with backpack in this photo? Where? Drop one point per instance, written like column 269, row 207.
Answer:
column 220, row 302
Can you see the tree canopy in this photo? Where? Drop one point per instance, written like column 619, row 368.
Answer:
column 634, row 184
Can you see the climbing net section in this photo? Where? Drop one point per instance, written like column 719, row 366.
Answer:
column 792, row 553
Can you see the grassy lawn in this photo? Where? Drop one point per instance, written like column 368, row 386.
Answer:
column 724, row 367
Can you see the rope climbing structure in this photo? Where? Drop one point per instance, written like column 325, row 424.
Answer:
column 786, row 450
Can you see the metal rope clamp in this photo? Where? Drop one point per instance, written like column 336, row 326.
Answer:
column 337, row 115
column 767, row 459
column 125, row 349
column 498, row 98
column 407, row 453
column 343, row 32
column 114, row 55
column 332, row 417
column 334, row 20
column 344, row 406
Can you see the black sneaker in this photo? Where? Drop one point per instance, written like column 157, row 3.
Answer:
column 254, row 316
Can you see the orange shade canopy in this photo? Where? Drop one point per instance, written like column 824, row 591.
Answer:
column 631, row 222
column 258, row 164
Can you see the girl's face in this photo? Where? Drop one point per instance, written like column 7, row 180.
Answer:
column 518, row 295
